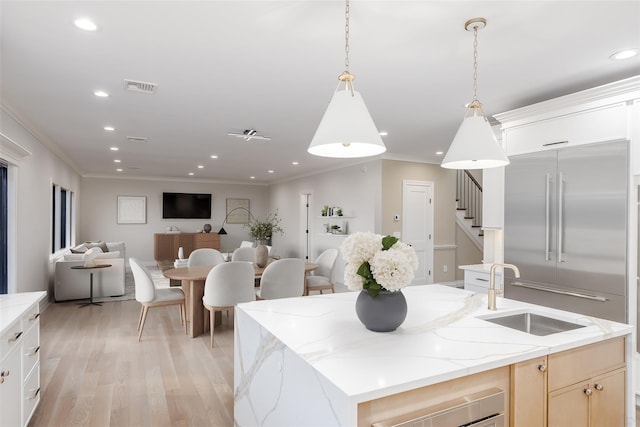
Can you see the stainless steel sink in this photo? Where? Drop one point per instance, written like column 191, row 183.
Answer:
column 534, row 324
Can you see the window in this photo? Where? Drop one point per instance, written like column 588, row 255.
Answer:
column 62, row 229
column 4, row 213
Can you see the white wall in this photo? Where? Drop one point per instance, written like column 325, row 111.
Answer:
column 99, row 211
column 356, row 188
column 35, row 176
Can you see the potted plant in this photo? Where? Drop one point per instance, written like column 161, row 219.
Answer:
column 262, row 230
column 325, row 210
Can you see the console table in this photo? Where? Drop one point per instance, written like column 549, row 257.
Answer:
column 165, row 245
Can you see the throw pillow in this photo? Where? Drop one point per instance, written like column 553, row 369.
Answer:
column 80, row 249
column 99, row 244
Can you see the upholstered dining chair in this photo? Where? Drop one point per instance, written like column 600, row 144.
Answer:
column 321, row 278
column 205, row 256
column 227, row 285
column 282, row 278
column 149, row 296
column 244, row 254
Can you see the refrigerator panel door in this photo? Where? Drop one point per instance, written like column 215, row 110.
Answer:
column 530, row 219
column 592, row 228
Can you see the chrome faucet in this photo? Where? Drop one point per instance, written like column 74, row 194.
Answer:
column 493, row 292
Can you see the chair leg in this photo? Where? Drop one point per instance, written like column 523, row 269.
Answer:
column 212, row 316
column 184, row 317
column 140, row 317
column 145, row 310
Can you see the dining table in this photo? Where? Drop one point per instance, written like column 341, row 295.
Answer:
column 193, row 279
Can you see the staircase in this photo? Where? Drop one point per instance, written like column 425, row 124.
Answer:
column 469, row 206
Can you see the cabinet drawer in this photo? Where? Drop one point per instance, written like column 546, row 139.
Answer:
column 31, row 317
column 596, row 125
column 31, row 394
column 571, row 366
column 477, row 278
column 30, row 350
column 11, row 339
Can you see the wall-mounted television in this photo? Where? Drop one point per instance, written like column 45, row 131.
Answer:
column 186, row 205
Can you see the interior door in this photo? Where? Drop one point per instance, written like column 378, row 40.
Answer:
column 417, row 226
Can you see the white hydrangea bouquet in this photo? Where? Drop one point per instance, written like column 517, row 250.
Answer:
column 377, row 263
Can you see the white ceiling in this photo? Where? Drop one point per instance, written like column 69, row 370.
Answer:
column 227, row 66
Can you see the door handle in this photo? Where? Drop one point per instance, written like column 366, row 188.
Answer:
column 547, row 202
column 560, row 217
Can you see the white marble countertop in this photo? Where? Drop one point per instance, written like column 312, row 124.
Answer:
column 12, row 306
column 442, row 338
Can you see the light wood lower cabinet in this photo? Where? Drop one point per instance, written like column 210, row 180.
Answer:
column 529, row 393
column 582, row 387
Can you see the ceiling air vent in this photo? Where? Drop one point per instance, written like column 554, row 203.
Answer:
column 136, row 86
column 136, row 138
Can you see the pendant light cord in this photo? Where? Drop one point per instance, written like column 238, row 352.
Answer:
column 346, row 37
column 475, row 66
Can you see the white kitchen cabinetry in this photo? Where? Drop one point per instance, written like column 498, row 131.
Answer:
column 19, row 357
column 477, row 276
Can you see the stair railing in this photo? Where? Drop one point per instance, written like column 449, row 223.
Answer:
column 469, row 197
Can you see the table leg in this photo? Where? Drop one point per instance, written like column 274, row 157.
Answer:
column 196, row 308
column 90, row 293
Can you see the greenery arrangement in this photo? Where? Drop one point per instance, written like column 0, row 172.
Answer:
column 377, row 263
column 264, row 229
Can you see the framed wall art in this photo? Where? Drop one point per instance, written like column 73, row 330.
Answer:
column 238, row 211
column 132, row 210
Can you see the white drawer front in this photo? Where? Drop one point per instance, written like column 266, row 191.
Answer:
column 30, row 349
column 585, row 127
column 31, row 317
column 10, row 339
column 31, row 394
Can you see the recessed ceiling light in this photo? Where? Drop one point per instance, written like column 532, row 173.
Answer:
column 117, row 161
column 439, row 153
column 624, row 54
column 109, row 128
column 114, row 148
column 295, row 163
column 200, row 167
column 383, row 133
column 213, row 156
column 119, row 170
column 85, row 24
column 191, row 173
column 252, row 177
column 270, row 171
column 101, row 93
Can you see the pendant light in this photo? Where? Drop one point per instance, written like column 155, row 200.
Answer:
column 346, row 129
column 475, row 145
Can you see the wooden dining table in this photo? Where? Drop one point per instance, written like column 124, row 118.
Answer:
column 193, row 279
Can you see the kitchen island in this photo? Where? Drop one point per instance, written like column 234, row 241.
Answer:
column 309, row 361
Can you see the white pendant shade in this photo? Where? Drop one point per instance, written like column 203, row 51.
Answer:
column 346, row 129
column 474, row 147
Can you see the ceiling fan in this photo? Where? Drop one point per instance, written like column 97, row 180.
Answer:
column 249, row 134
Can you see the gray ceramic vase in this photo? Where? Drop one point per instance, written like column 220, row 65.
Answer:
column 382, row 313
column 262, row 256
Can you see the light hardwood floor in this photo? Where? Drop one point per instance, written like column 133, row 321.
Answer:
column 94, row 372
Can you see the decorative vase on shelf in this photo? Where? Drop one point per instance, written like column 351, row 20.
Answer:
column 180, row 252
column 382, row 313
column 262, row 256
column 207, row 228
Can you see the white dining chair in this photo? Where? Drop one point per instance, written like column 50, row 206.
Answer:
column 227, row 285
column 321, row 278
column 244, row 254
column 205, row 256
column 282, row 278
column 149, row 296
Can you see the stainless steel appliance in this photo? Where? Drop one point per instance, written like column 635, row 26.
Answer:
column 566, row 228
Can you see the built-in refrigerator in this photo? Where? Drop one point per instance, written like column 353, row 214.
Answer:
column 566, row 228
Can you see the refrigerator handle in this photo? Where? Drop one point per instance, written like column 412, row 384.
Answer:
column 547, row 252
column 560, row 216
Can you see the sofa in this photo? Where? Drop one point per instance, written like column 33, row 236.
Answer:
column 72, row 284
